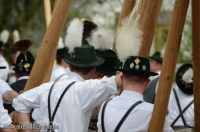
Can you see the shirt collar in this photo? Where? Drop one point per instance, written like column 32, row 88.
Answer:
column 132, row 94
column 23, row 77
column 73, row 74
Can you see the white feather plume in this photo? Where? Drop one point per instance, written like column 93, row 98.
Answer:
column 4, row 36
column 60, row 43
column 74, row 34
column 102, row 39
column 129, row 37
column 187, row 76
column 16, row 36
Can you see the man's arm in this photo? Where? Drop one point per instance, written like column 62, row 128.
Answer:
column 9, row 95
column 94, row 92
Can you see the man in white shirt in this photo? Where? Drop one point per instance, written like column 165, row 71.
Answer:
column 61, row 67
column 3, row 62
column 6, row 94
column 128, row 112
column 181, row 99
column 82, row 97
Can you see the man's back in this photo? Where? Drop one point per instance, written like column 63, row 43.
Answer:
column 76, row 106
column 137, row 121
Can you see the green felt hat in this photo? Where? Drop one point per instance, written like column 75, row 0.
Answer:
column 24, row 63
column 137, row 65
column 185, row 87
column 84, row 56
column 157, row 56
column 110, row 62
column 62, row 53
column 2, row 67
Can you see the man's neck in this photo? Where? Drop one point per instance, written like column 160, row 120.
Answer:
column 135, row 88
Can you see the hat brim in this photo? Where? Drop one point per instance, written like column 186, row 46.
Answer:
column 156, row 59
column 138, row 72
column 99, row 61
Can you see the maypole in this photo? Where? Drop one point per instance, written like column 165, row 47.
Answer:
column 168, row 65
column 50, row 42
column 196, row 61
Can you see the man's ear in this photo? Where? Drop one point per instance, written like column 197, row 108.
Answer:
column 122, row 77
column 147, row 83
column 93, row 70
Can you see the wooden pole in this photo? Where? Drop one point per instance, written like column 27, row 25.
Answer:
column 169, row 64
column 49, row 42
column 196, row 61
column 48, row 73
column 47, row 9
column 127, row 7
column 148, row 23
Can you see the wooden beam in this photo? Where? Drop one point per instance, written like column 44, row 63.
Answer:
column 168, row 65
column 48, row 73
column 149, row 11
column 196, row 61
column 47, row 10
column 50, row 41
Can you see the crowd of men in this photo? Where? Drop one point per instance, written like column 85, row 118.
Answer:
column 83, row 94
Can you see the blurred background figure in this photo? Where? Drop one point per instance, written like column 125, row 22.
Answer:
column 13, row 55
column 181, row 106
column 155, row 66
column 3, row 40
column 22, row 67
column 61, row 67
column 156, row 63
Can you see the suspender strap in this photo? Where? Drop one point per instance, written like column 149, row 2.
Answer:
column 183, row 112
column 126, row 115
column 49, row 105
column 60, row 99
column 179, row 107
column 102, row 115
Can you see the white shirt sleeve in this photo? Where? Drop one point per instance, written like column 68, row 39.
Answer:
column 4, row 87
column 94, row 92
column 5, row 119
column 26, row 101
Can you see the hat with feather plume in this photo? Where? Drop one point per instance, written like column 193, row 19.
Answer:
column 128, row 42
column 62, row 50
column 25, row 59
column 4, row 38
column 81, row 55
column 102, row 40
column 184, row 78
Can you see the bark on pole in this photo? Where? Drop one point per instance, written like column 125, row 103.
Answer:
column 47, row 10
column 127, row 7
column 50, row 41
column 148, row 22
column 196, row 61
column 168, row 65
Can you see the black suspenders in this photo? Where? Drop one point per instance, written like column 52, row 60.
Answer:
column 123, row 118
column 51, row 118
column 180, row 110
